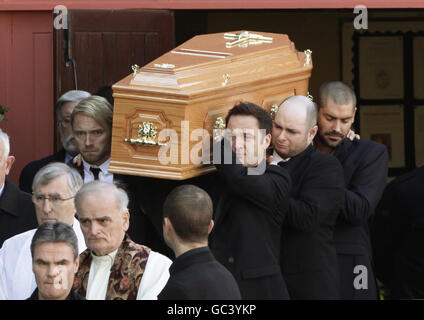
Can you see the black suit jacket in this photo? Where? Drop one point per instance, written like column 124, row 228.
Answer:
column 28, row 172
column 248, row 218
column 71, row 296
column 308, row 255
column 196, row 275
column 149, row 197
column 17, row 212
column 397, row 235
column 365, row 173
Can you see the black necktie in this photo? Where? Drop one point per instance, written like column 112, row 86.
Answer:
column 282, row 163
column 95, row 172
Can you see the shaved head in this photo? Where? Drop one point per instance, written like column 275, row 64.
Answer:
column 294, row 126
column 303, row 107
column 339, row 93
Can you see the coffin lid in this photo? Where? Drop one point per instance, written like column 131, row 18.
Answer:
column 206, row 62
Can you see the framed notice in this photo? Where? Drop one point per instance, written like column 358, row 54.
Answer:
column 381, row 67
column 385, row 124
column 418, row 56
column 419, row 135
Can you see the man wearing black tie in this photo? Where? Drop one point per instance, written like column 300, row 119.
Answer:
column 91, row 123
column 92, row 127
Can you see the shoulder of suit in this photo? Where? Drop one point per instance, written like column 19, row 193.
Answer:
column 13, row 191
column 320, row 157
column 368, row 145
column 58, row 156
column 409, row 177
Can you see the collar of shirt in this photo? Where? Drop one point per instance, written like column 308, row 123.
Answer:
column 104, row 175
column 106, row 259
column 276, row 158
column 98, row 278
column 68, row 158
column 2, row 188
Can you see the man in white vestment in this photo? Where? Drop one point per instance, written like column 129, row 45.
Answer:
column 114, row 267
column 54, row 188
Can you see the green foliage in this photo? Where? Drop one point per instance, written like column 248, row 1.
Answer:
column 3, row 111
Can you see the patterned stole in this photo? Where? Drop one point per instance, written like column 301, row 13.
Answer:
column 125, row 275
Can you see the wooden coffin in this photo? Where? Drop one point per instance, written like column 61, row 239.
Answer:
column 191, row 86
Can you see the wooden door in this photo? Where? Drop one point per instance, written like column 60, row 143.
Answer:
column 104, row 44
column 26, row 84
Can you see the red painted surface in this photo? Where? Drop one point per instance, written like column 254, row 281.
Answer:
column 205, row 4
column 26, row 84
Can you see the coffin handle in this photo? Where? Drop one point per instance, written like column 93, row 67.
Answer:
column 146, row 135
column 144, row 142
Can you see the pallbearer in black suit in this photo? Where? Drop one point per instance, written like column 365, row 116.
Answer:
column 64, row 107
column 251, row 206
column 194, row 274
column 91, row 123
column 308, row 255
column 365, row 173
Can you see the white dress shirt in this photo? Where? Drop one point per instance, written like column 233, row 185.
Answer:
column 104, row 175
column 154, row 279
column 98, row 278
column 17, row 281
column 276, row 158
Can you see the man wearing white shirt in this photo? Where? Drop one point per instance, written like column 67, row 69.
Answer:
column 54, row 188
column 114, row 267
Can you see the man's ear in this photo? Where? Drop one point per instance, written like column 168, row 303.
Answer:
column 211, row 224
column 76, row 265
column 167, row 225
column 267, row 141
column 9, row 162
column 354, row 113
column 312, row 133
column 126, row 218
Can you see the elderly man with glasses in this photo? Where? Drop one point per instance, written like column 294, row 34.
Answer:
column 54, row 188
column 64, row 107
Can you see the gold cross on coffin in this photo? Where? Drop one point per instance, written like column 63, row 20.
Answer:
column 245, row 38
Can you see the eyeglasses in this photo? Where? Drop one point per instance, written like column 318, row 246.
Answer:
column 55, row 199
column 64, row 122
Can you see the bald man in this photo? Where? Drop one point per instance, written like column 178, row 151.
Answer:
column 308, row 256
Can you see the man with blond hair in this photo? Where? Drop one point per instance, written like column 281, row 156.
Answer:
column 92, row 127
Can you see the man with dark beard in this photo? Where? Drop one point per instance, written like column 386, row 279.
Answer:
column 365, row 173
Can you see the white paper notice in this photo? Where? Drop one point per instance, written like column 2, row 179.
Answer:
column 419, row 67
column 381, row 67
column 384, row 124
